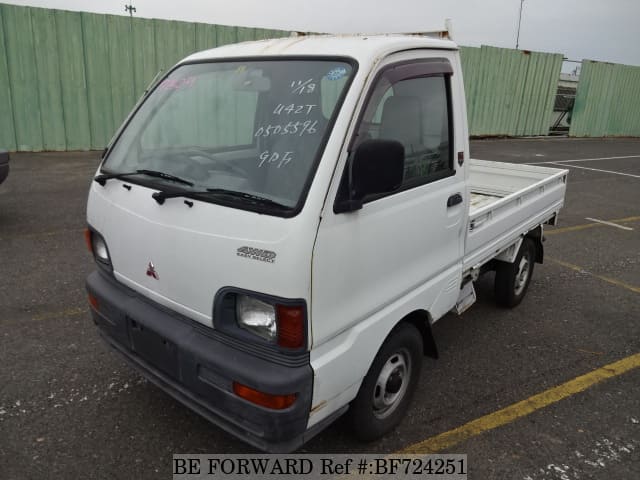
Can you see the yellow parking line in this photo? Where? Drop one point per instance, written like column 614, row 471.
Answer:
column 69, row 312
column 613, row 281
column 525, row 407
column 576, row 228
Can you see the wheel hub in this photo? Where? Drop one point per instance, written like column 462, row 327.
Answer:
column 522, row 275
column 395, row 382
column 391, row 384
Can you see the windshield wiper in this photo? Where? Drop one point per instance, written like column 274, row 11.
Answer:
column 102, row 179
column 161, row 196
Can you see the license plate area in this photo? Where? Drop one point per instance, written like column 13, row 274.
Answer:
column 154, row 348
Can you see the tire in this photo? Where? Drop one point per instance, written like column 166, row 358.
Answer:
column 512, row 279
column 387, row 388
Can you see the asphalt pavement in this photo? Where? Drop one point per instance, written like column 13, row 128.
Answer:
column 71, row 408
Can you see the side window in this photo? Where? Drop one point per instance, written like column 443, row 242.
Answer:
column 415, row 112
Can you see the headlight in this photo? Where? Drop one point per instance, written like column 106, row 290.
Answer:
column 97, row 246
column 278, row 321
column 257, row 317
column 100, row 248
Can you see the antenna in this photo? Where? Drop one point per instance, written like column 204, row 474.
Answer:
column 519, row 22
column 131, row 9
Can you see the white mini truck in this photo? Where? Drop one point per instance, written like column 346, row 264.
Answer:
column 278, row 224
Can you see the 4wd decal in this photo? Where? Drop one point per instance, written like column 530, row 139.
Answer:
column 257, row 254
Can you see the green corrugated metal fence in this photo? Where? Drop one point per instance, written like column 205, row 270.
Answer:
column 68, row 79
column 509, row 92
column 607, row 101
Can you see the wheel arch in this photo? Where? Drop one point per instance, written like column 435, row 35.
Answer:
column 421, row 319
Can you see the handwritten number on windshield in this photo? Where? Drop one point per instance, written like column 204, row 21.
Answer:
column 307, row 127
column 293, row 109
column 275, row 157
column 299, row 87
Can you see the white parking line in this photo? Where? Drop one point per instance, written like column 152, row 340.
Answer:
column 585, row 159
column 592, row 169
column 611, row 224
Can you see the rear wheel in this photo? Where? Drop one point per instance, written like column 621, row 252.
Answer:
column 512, row 279
column 387, row 388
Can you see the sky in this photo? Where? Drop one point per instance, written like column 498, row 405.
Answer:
column 605, row 30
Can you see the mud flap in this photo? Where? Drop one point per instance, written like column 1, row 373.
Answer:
column 466, row 298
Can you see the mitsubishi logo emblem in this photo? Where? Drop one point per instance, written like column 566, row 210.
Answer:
column 151, row 271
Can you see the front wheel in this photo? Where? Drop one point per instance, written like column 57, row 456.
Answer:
column 512, row 279
column 387, row 388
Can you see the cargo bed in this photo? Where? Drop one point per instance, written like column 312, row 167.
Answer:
column 506, row 201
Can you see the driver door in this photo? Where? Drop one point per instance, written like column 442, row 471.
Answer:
column 402, row 249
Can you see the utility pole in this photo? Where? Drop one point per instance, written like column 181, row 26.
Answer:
column 519, row 22
column 131, row 9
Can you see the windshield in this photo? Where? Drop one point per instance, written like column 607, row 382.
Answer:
column 252, row 127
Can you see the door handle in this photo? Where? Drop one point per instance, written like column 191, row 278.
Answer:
column 454, row 200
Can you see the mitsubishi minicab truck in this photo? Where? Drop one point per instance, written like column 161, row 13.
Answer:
column 278, row 224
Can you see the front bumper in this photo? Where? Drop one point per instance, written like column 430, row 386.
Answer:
column 197, row 365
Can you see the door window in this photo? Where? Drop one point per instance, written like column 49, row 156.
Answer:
column 413, row 109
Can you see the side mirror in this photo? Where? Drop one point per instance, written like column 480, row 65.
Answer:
column 377, row 167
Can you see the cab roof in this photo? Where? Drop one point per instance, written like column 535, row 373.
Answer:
column 366, row 49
